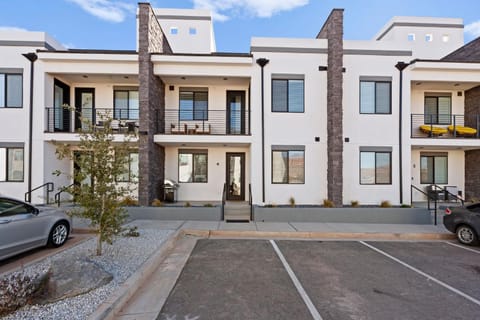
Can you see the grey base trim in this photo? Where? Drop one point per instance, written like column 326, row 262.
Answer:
column 175, row 213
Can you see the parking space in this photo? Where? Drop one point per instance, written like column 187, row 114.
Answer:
column 249, row 279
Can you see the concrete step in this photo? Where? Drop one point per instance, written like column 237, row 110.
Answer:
column 237, row 211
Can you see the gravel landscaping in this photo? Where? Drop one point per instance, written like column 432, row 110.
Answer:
column 121, row 260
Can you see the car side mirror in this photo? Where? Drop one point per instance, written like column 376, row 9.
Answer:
column 35, row 211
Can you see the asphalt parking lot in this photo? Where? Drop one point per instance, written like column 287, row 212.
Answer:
column 287, row 279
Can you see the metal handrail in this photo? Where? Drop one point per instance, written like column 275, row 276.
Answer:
column 429, row 198
column 436, row 122
column 63, row 189
column 456, row 197
column 250, row 201
column 224, row 199
column 50, row 186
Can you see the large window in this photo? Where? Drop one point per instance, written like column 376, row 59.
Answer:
column 193, row 104
column 11, row 164
column 192, row 165
column 288, row 165
column 126, row 104
column 131, row 169
column 375, row 97
column 11, row 93
column 434, row 168
column 375, row 167
column 438, row 109
column 287, row 95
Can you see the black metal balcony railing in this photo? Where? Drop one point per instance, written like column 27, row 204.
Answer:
column 445, row 126
column 68, row 120
column 215, row 122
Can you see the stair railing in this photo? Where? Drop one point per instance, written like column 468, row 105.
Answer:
column 224, row 200
column 48, row 185
column 250, row 201
column 57, row 195
column 430, row 198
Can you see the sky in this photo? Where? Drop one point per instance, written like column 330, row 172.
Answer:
column 111, row 24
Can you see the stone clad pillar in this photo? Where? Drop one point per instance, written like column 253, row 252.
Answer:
column 151, row 39
column 332, row 30
column 472, row 157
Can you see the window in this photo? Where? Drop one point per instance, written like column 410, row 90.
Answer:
column 192, row 166
column 193, row 104
column 173, row 30
column 131, row 169
column 438, row 108
column 434, row 168
column 11, row 164
column 287, row 95
column 428, row 38
column 411, row 37
column 445, row 38
column 192, row 31
column 126, row 104
column 375, row 167
column 11, row 90
column 288, row 165
column 375, row 97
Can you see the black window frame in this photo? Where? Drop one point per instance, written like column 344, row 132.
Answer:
column 433, row 162
column 131, row 178
column 5, row 88
column 193, row 153
column 375, row 97
column 288, row 167
column 436, row 117
column 195, row 113
column 116, row 110
column 288, row 106
column 375, row 182
column 7, row 167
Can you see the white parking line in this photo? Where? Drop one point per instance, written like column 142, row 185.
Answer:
column 465, row 248
column 429, row 277
column 296, row 282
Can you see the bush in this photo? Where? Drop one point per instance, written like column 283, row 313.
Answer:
column 129, row 201
column 385, row 204
column 131, row 232
column 292, row 202
column 271, row 205
column 327, row 203
column 188, row 204
column 157, row 203
column 208, row 205
column 405, row 205
column 354, row 203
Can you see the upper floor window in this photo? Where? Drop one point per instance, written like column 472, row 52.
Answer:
column 288, row 164
column 192, row 31
column 438, row 108
column 126, row 104
column 411, row 37
column 375, row 166
column 11, row 164
column 193, row 104
column 192, row 165
column 287, row 95
column 173, row 30
column 375, row 97
column 11, row 90
column 428, row 37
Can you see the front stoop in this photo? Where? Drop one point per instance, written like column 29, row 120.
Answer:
column 237, row 211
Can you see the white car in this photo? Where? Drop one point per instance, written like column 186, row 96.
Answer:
column 24, row 227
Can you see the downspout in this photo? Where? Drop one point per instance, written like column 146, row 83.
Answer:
column 400, row 66
column 32, row 57
column 262, row 62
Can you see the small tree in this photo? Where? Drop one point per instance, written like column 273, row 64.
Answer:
column 99, row 162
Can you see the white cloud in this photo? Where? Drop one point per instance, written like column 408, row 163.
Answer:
column 109, row 10
column 221, row 9
column 7, row 28
column 473, row 28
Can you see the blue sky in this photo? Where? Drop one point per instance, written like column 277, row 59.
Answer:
column 110, row 24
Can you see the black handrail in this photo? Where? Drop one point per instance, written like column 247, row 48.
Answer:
column 444, row 189
column 50, row 187
column 250, row 201
column 63, row 189
column 224, row 199
column 429, row 197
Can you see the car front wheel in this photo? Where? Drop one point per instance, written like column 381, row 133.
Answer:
column 466, row 235
column 58, row 235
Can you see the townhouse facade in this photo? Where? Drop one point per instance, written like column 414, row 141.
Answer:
column 302, row 119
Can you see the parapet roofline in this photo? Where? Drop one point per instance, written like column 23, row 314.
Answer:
column 92, row 51
column 182, row 14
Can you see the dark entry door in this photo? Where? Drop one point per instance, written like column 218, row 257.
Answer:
column 84, row 106
column 235, row 112
column 61, row 115
column 236, row 176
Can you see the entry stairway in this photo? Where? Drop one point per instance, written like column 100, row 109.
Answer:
column 237, row 211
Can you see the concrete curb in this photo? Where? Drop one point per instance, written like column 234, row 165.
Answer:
column 120, row 297
column 318, row 235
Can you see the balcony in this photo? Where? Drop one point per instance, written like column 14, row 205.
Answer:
column 445, row 126
column 64, row 120
column 207, row 122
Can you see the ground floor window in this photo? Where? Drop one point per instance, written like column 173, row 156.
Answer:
column 375, row 167
column 11, row 164
column 192, row 166
column 434, row 168
column 288, row 164
column 131, row 169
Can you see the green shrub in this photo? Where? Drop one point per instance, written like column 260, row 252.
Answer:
column 188, row 204
column 327, row 203
column 292, row 202
column 128, row 201
column 385, row 204
column 157, row 203
column 354, row 203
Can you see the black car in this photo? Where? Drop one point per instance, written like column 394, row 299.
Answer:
column 464, row 222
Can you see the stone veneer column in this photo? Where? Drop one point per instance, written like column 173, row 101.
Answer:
column 152, row 107
column 332, row 30
column 472, row 157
